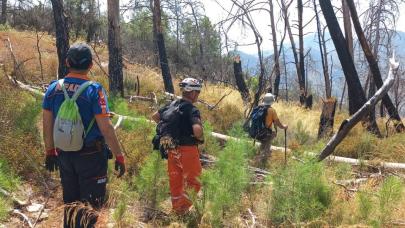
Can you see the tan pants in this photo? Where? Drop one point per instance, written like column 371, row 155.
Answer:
column 265, row 149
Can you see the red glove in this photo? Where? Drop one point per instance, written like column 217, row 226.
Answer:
column 51, row 160
column 120, row 165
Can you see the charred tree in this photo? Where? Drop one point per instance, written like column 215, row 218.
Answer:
column 301, row 80
column 349, row 40
column 327, row 118
column 62, row 36
column 3, row 18
column 164, row 64
column 114, row 49
column 356, row 94
column 374, row 68
column 240, row 81
column 275, row 51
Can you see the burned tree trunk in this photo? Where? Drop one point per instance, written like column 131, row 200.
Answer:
column 275, row 51
column 62, row 36
column 301, row 80
column 327, row 118
column 392, row 111
column 240, row 81
column 348, row 124
column 349, row 41
column 356, row 95
column 3, row 18
column 164, row 64
column 114, row 49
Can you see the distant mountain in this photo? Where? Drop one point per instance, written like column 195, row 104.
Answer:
column 311, row 44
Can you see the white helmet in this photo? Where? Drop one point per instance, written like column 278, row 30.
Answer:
column 190, row 84
column 268, row 99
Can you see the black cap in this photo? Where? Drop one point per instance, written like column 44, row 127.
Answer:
column 79, row 56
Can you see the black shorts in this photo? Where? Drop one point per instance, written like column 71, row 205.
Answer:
column 84, row 176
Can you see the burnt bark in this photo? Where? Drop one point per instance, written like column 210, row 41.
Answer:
column 356, row 94
column 115, row 50
column 301, row 48
column 240, row 81
column 3, row 18
column 374, row 68
column 62, row 36
column 275, row 51
column 327, row 118
column 164, row 64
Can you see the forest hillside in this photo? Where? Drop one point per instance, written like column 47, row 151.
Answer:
column 238, row 190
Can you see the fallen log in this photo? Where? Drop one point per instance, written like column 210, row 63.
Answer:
column 348, row 124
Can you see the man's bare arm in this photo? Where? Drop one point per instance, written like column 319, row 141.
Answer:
column 47, row 124
column 280, row 125
column 107, row 130
column 198, row 132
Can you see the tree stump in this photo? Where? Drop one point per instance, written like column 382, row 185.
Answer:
column 327, row 118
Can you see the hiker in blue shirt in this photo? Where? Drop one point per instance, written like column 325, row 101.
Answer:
column 83, row 172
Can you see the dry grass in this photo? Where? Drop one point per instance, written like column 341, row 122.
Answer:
column 136, row 139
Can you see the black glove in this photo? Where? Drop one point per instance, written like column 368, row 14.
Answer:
column 120, row 165
column 163, row 153
column 51, row 163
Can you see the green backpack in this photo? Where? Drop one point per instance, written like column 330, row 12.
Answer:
column 68, row 129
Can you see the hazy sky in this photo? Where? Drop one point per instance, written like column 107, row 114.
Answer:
column 262, row 22
column 241, row 35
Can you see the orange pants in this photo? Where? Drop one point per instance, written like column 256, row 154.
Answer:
column 184, row 168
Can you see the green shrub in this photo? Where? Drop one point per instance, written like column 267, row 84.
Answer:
column 211, row 144
column 8, row 182
column 152, row 182
column 27, row 117
column 4, row 208
column 343, row 171
column 225, row 183
column 119, row 213
column 365, row 205
column 300, row 193
column 389, row 195
column 238, row 132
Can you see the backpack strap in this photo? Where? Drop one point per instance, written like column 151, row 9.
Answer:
column 81, row 89
column 90, row 126
column 60, row 82
column 77, row 94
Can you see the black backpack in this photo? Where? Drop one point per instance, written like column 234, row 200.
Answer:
column 167, row 130
column 256, row 126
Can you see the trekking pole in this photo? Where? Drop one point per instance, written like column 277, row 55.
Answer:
column 285, row 146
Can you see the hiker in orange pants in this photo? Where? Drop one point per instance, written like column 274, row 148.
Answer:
column 179, row 131
column 184, row 168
